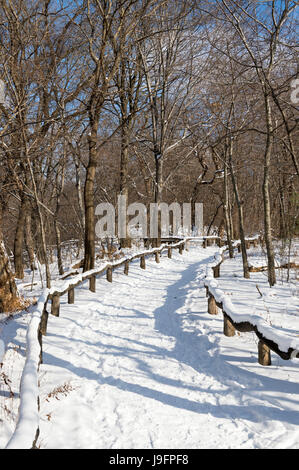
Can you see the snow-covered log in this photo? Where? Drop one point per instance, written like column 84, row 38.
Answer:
column 27, row 429
column 280, row 342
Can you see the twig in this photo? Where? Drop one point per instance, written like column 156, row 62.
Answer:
column 259, row 290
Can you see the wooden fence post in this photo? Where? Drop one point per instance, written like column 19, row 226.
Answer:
column 109, row 274
column 40, row 340
column 264, row 354
column 55, row 307
column 216, row 270
column 126, row 269
column 181, row 248
column 142, row 262
column 44, row 322
column 92, row 284
column 157, row 257
column 212, row 307
column 228, row 327
column 71, row 296
column 169, row 252
column 204, row 244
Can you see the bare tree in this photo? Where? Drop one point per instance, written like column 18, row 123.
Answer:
column 171, row 77
column 108, row 25
column 259, row 33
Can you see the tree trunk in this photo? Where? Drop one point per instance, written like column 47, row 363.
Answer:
column 29, row 240
column 240, row 213
column 42, row 226
column 44, row 249
column 89, row 239
column 226, row 210
column 266, row 196
column 8, row 288
column 59, row 190
column 158, row 193
column 19, row 242
column 58, row 246
column 124, row 161
column 230, row 218
column 242, row 238
column 79, row 193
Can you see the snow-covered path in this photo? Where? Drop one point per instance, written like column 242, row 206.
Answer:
column 140, row 364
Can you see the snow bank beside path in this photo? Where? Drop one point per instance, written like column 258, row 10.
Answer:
column 28, row 420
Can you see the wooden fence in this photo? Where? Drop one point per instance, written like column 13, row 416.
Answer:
column 27, row 429
column 269, row 339
column 54, row 295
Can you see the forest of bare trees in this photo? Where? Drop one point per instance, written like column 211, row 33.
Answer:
column 165, row 100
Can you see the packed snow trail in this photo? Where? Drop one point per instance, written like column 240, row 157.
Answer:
column 140, row 364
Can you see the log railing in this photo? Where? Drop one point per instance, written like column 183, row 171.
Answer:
column 269, row 337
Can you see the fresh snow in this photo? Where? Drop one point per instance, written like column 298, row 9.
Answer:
column 141, row 364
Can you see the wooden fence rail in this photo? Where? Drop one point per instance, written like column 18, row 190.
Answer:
column 91, row 276
column 270, row 338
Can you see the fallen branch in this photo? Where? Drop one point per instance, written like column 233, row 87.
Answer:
column 259, row 290
column 258, row 269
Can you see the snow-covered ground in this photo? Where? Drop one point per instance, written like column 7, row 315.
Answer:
column 141, row 364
